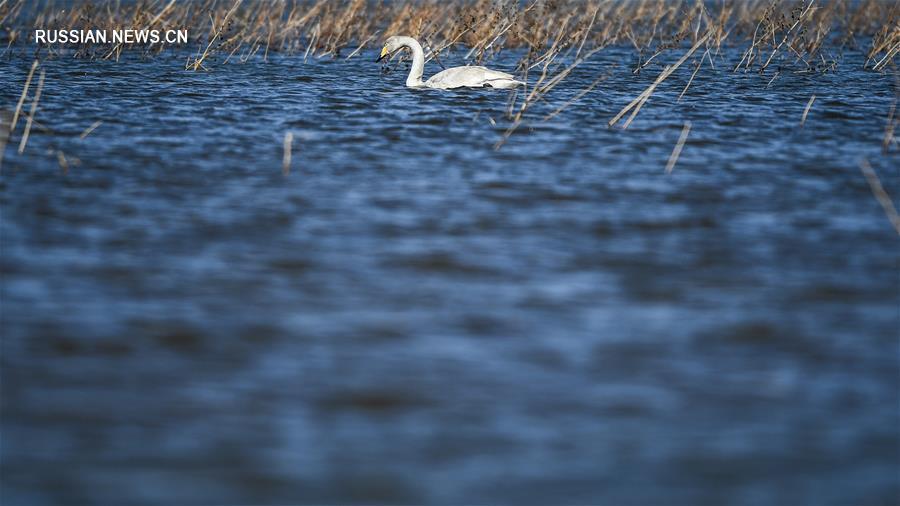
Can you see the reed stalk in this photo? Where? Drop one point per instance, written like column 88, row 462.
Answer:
column 880, row 194
column 286, row 157
column 21, row 102
column 87, row 131
column 806, row 110
column 676, row 152
column 635, row 105
column 34, row 106
column 4, row 134
column 889, row 129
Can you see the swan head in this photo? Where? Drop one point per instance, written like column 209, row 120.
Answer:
column 391, row 46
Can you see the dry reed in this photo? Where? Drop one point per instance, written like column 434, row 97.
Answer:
column 34, row 106
column 4, row 134
column 637, row 103
column 676, row 152
column 87, row 131
column 286, row 159
column 809, row 104
column 18, row 112
column 889, row 128
column 880, row 194
column 777, row 31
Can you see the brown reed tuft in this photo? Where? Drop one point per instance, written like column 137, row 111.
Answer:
column 774, row 31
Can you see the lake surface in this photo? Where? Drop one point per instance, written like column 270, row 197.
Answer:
column 410, row 316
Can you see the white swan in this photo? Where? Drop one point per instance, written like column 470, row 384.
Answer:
column 457, row 77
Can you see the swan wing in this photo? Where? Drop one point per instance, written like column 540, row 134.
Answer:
column 471, row 77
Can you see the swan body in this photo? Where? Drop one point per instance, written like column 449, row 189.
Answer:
column 456, row 77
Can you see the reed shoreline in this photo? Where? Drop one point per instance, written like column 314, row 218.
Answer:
column 551, row 39
column 802, row 34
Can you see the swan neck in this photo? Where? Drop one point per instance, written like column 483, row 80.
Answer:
column 414, row 79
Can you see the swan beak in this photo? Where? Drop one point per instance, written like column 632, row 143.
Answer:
column 384, row 52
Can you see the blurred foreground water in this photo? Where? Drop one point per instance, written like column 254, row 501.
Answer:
column 412, row 317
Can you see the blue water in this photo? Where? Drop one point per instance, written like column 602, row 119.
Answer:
column 411, row 316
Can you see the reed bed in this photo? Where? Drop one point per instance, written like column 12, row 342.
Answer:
column 551, row 37
column 773, row 32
